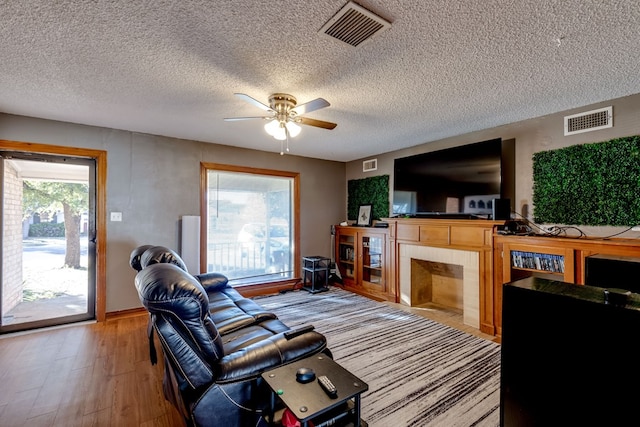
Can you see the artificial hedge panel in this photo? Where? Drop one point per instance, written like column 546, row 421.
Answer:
column 373, row 191
column 589, row 184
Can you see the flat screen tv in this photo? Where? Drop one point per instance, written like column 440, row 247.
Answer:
column 460, row 181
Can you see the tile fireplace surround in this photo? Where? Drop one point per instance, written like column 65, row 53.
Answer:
column 451, row 260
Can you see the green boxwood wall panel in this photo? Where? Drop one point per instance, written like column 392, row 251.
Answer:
column 590, row 184
column 373, row 191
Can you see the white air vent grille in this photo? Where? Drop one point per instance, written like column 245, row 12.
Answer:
column 370, row 165
column 588, row 121
column 354, row 25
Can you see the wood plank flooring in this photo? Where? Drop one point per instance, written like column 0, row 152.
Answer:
column 85, row 375
column 445, row 315
column 100, row 374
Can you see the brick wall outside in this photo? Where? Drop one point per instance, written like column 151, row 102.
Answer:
column 12, row 240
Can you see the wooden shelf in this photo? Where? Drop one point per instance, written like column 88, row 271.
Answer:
column 573, row 250
column 365, row 244
column 534, row 270
column 468, row 235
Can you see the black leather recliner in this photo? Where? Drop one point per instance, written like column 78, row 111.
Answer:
column 229, row 310
column 211, row 378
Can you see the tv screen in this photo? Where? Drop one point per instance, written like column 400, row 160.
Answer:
column 461, row 180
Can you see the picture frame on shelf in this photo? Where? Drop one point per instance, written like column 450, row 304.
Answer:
column 364, row 216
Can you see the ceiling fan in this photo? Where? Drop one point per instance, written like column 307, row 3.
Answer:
column 284, row 115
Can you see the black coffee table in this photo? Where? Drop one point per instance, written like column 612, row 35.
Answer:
column 309, row 401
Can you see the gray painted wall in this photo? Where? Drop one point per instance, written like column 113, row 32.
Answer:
column 539, row 134
column 155, row 180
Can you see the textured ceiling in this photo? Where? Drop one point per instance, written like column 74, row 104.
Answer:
column 444, row 68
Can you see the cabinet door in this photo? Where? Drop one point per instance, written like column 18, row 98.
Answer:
column 372, row 248
column 347, row 256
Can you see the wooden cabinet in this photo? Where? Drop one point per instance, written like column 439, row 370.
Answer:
column 362, row 255
column 555, row 258
column 523, row 260
column 346, row 254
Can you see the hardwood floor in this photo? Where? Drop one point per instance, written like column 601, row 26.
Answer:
column 100, row 374
column 446, row 316
column 85, row 375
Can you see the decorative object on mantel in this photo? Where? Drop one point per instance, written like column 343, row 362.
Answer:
column 284, row 116
column 373, row 191
column 588, row 184
column 364, row 216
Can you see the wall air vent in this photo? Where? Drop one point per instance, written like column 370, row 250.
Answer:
column 354, row 25
column 370, row 165
column 588, row 121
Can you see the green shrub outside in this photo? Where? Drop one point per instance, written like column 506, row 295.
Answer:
column 46, row 229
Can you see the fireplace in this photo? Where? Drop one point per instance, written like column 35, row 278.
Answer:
column 448, row 277
column 438, row 283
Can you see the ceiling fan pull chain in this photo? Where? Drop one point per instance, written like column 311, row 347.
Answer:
column 282, row 126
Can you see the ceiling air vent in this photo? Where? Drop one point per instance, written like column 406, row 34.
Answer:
column 588, row 121
column 370, row 165
column 354, row 25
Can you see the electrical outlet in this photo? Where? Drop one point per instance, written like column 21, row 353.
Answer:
column 636, row 228
column 116, row 216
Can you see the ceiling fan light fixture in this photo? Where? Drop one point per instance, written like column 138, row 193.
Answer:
column 273, row 127
column 276, row 129
column 280, row 135
column 285, row 116
column 293, row 129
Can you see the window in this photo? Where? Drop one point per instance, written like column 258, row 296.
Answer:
column 250, row 223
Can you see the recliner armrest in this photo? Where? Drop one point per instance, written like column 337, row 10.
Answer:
column 267, row 354
column 254, row 310
column 212, row 282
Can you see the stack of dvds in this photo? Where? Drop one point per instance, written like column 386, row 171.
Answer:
column 537, row 261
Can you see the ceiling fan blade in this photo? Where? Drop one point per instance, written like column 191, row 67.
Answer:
column 235, row 119
column 253, row 101
column 316, row 123
column 310, row 106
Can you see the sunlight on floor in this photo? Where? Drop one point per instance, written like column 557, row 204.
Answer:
column 49, row 289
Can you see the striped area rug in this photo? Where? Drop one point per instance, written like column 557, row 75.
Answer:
column 420, row 373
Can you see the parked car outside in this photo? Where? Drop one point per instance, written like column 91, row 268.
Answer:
column 254, row 239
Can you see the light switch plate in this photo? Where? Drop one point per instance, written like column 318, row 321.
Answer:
column 116, row 216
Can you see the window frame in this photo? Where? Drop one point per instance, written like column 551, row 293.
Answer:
column 205, row 167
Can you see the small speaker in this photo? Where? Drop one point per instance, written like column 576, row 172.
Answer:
column 501, row 209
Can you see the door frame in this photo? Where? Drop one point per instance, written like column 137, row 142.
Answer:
column 100, row 157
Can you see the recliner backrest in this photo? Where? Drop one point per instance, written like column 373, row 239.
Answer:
column 180, row 311
column 161, row 255
column 136, row 254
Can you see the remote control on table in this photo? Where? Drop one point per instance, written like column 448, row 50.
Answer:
column 328, row 386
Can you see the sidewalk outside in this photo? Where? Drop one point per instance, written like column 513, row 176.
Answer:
column 49, row 289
